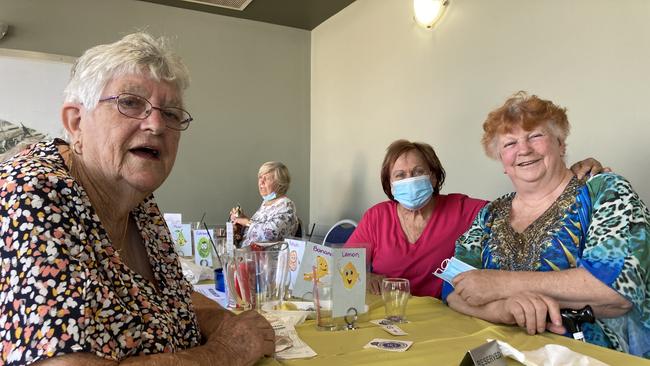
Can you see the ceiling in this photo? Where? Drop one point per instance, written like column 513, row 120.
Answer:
column 304, row 14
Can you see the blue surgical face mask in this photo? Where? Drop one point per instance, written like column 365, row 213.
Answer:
column 413, row 193
column 450, row 268
column 269, row 197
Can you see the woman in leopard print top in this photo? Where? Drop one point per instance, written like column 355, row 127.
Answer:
column 557, row 242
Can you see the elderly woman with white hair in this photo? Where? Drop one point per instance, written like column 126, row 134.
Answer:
column 89, row 273
column 276, row 218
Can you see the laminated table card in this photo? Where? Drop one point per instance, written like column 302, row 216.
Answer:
column 202, row 248
column 173, row 219
column 230, row 237
column 342, row 269
column 296, row 251
column 348, row 281
column 181, row 235
column 316, row 262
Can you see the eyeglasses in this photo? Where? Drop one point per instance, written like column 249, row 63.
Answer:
column 135, row 106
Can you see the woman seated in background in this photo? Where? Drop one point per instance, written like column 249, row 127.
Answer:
column 558, row 241
column 276, row 218
column 89, row 272
column 411, row 234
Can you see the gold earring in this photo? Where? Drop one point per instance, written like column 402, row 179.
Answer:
column 76, row 147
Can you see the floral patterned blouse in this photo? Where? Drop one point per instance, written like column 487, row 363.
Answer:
column 273, row 222
column 64, row 289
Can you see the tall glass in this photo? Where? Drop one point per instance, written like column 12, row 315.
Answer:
column 323, row 305
column 233, row 294
column 395, row 292
column 271, row 272
column 257, row 279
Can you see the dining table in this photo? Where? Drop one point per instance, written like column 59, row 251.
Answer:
column 440, row 336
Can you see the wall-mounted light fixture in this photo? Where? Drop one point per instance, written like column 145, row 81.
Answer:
column 428, row 12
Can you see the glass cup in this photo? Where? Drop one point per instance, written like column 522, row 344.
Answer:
column 257, row 279
column 233, row 292
column 395, row 292
column 323, row 306
column 271, row 272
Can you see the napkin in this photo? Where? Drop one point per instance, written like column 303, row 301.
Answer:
column 549, row 355
column 193, row 272
column 288, row 344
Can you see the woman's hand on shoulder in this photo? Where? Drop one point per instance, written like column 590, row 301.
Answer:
column 373, row 283
column 533, row 311
column 589, row 166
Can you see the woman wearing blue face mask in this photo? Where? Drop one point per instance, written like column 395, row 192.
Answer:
column 276, row 218
column 410, row 235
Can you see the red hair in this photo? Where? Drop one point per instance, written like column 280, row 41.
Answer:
column 526, row 111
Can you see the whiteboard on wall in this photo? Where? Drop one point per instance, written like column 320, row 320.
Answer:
column 31, row 89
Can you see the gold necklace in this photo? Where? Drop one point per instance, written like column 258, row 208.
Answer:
column 121, row 245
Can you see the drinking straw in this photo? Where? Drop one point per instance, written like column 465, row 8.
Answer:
column 244, row 279
column 316, row 297
column 212, row 242
column 313, row 226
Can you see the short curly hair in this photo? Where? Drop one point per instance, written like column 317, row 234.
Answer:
column 526, row 111
column 399, row 147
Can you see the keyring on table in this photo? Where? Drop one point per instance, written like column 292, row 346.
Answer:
column 352, row 312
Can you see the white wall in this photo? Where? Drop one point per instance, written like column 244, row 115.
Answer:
column 23, row 74
column 249, row 95
column 377, row 77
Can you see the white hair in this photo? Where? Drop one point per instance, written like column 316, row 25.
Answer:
column 280, row 173
column 135, row 54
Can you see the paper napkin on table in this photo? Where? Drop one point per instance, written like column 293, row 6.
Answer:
column 286, row 335
column 549, row 355
column 194, row 273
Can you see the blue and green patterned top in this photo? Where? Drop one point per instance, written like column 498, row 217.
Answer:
column 600, row 225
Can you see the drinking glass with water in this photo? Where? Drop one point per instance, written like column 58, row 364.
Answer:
column 395, row 292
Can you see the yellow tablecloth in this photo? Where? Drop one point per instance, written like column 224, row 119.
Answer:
column 440, row 336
